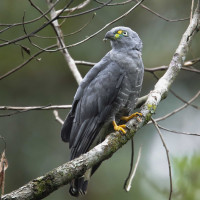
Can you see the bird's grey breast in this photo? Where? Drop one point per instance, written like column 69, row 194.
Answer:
column 131, row 63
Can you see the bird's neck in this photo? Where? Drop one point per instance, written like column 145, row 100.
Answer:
column 126, row 52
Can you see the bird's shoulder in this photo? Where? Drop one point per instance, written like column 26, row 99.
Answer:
column 101, row 70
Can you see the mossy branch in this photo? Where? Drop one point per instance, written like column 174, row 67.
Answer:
column 44, row 185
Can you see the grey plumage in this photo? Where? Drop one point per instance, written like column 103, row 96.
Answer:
column 108, row 92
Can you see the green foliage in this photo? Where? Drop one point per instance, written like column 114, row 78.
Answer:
column 187, row 178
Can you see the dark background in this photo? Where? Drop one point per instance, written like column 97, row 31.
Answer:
column 33, row 138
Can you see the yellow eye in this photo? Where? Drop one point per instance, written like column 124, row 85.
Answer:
column 125, row 33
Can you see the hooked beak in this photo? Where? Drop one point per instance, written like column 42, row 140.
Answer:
column 109, row 35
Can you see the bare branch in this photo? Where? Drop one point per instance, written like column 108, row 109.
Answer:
column 190, row 63
column 20, row 111
column 178, row 132
column 139, row 103
column 55, row 112
column 184, row 101
column 85, row 12
column 112, row 22
column 80, row 6
column 72, row 33
column 53, row 107
column 179, row 109
column 44, row 185
column 167, row 153
column 129, row 180
column 38, row 29
column 26, row 22
column 116, row 4
column 84, row 63
column 67, row 56
column 26, row 62
column 186, row 66
column 160, row 16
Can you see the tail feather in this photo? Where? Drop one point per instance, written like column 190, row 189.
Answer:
column 78, row 187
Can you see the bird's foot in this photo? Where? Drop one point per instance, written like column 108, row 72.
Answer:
column 119, row 127
column 127, row 118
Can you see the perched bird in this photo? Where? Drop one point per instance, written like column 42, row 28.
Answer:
column 107, row 94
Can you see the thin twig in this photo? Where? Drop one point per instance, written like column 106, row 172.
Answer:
column 25, row 63
column 27, row 22
column 21, row 111
column 132, row 172
column 82, row 62
column 162, row 17
column 192, row 62
column 178, row 97
column 69, row 34
column 57, row 117
column 104, row 27
column 38, row 29
column 85, row 12
column 77, row 167
column 140, row 101
column 80, row 6
column 50, row 107
column 178, row 109
column 116, row 4
column 167, row 153
column 127, row 183
column 178, row 132
column 186, row 65
column 184, row 101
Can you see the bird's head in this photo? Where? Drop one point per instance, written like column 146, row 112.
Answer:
column 124, row 37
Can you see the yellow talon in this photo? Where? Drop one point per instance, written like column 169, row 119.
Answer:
column 122, row 126
column 119, row 128
column 136, row 114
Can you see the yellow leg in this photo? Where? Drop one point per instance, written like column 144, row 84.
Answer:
column 119, row 128
column 136, row 114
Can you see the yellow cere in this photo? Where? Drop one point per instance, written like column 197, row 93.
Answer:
column 116, row 35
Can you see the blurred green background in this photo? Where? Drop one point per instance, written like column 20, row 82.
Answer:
column 33, row 138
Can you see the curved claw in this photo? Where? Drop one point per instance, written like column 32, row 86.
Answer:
column 119, row 128
column 136, row 114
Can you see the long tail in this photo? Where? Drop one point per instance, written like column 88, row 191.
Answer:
column 79, row 186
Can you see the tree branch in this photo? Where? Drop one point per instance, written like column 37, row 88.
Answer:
column 57, row 117
column 61, row 44
column 178, row 109
column 186, row 66
column 80, row 6
column 44, row 185
column 167, row 153
column 53, row 107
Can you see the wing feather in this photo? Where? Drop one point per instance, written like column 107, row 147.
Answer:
column 92, row 105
